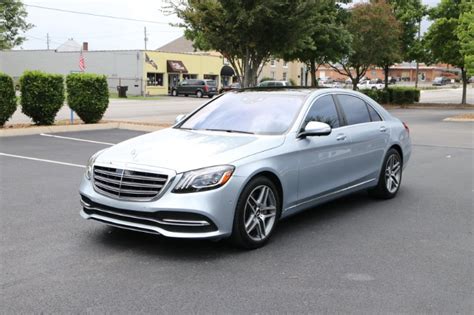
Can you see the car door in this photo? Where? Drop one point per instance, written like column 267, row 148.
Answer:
column 181, row 88
column 369, row 137
column 323, row 160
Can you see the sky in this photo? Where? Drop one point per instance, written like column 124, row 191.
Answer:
column 104, row 33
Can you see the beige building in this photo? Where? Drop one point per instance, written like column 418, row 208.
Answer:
column 276, row 69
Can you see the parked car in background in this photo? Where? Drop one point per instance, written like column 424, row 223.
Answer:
column 232, row 87
column 274, row 83
column 438, row 81
column 371, row 85
column 238, row 164
column 196, row 87
column 471, row 79
column 330, row 83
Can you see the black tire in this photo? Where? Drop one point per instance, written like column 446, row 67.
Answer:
column 199, row 94
column 240, row 237
column 381, row 191
column 186, row 95
column 174, row 92
column 210, row 96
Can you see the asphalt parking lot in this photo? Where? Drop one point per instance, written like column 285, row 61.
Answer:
column 412, row 254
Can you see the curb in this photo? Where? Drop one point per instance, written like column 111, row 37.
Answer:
column 459, row 119
column 70, row 128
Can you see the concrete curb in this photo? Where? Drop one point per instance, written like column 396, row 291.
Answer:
column 70, row 128
column 459, row 119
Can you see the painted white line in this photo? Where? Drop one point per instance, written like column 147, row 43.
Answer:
column 75, row 139
column 41, row 160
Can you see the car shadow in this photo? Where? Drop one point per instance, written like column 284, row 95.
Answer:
column 295, row 227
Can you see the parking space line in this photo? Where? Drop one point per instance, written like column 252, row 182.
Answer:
column 75, row 139
column 41, row 160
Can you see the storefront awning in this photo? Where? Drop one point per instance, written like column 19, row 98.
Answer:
column 227, row 71
column 176, row 66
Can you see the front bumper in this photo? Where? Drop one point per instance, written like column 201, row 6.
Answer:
column 207, row 214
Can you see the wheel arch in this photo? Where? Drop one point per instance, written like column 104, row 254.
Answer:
column 271, row 176
column 399, row 149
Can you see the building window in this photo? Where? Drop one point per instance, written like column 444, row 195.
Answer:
column 272, row 74
column 154, row 79
column 272, row 62
column 285, row 64
column 284, row 76
column 189, row 76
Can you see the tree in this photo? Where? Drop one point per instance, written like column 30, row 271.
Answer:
column 12, row 23
column 465, row 33
column 247, row 33
column 375, row 34
column 442, row 39
column 409, row 14
column 330, row 41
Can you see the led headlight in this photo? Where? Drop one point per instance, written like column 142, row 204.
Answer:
column 204, row 179
column 90, row 164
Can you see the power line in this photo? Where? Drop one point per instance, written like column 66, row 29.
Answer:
column 95, row 15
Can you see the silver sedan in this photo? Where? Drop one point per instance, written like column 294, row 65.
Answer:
column 237, row 165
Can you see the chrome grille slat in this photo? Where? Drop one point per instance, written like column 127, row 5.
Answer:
column 128, row 184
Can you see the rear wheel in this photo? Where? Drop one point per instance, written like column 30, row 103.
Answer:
column 199, row 94
column 257, row 213
column 390, row 177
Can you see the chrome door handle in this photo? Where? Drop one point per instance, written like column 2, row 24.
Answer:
column 383, row 129
column 341, row 137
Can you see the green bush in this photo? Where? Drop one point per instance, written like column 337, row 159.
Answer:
column 88, row 95
column 266, row 79
column 7, row 98
column 42, row 96
column 394, row 95
column 404, row 95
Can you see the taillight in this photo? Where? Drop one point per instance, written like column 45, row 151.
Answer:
column 206, row 88
column 406, row 127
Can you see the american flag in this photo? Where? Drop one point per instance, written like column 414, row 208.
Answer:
column 82, row 62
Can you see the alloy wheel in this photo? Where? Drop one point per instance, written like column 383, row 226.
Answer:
column 260, row 213
column 393, row 172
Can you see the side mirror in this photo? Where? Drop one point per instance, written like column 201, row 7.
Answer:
column 315, row 128
column 179, row 118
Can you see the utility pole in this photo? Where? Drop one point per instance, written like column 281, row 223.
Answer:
column 47, row 40
column 145, row 38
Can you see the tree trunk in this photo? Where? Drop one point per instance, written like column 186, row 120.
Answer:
column 386, row 69
column 355, row 81
column 312, row 70
column 464, row 86
column 416, row 74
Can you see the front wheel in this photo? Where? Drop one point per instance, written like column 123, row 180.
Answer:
column 390, row 177
column 199, row 94
column 174, row 92
column 257, row 213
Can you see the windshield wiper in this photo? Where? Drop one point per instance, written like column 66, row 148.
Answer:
column 231, row 131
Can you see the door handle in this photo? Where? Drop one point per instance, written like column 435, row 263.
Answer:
column 341, row 137
column 383, row 129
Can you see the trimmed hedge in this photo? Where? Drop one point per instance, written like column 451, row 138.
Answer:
column 42, row 96
column 88, row 95
column 394, row 95
column 7, row 98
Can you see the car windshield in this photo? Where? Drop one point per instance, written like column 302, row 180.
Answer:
column 251, row 112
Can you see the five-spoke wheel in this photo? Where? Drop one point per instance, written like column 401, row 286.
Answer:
column 390, row 177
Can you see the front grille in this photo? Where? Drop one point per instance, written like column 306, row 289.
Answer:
column 128, row 184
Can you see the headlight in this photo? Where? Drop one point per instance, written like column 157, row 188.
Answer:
column 204, row 179
column 90, row 164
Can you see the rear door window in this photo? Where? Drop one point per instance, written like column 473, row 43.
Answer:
column 355, row 109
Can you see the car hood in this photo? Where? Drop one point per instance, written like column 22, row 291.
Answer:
column 182, row 150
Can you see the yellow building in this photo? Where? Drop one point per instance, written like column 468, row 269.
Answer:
column 163, row 70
